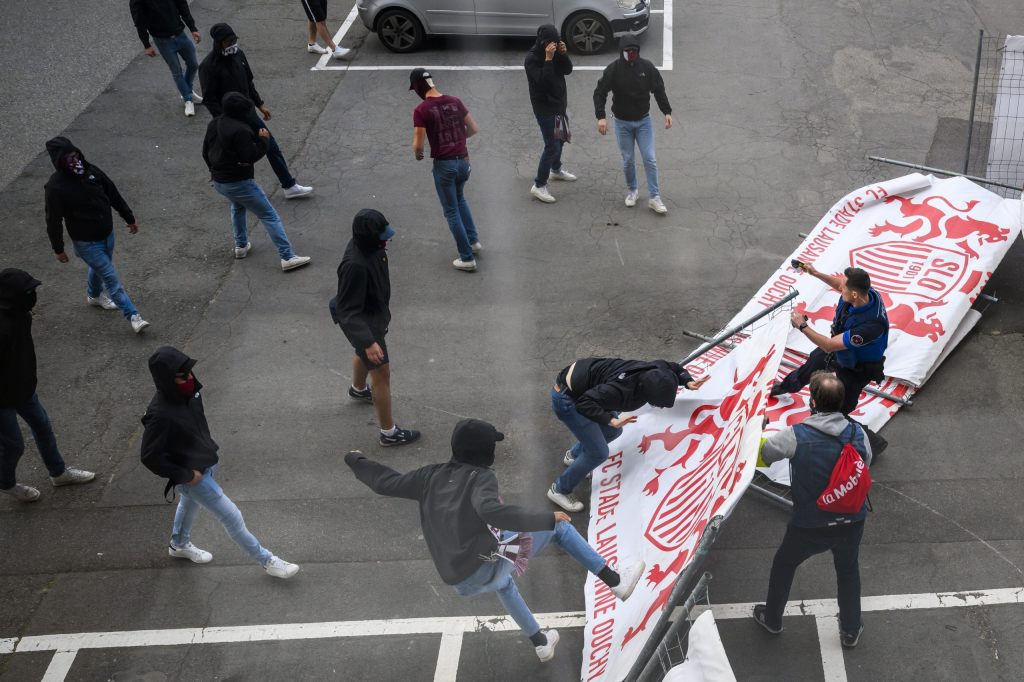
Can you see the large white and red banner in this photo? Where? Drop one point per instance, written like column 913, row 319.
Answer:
column 668, row 475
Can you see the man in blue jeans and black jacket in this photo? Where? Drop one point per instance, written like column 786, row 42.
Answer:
column 813, row 448
column 165, row 21
column 547, row 65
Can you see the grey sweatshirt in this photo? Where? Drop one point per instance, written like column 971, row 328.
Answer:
column 782, row 444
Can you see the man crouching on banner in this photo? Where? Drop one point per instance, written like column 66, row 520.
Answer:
column 855, row 351
column 813, row 449
column 476, row 541
column 588, row 396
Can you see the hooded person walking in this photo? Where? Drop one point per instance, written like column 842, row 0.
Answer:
column 231, row 149
column 588, row 396
column 547, row 64
column 479, row 543
column 18, row 397
column 80, row 196
column 362, row 309
column 632, row 80
column 177, row 445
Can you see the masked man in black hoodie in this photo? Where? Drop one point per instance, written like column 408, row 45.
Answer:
column 547, row 65
column 588, row 396
column 631, row 80
column 361, row 308
column 477, row 542
column 226, row 70
column 18, row 391
column 79, row 196
column 177, row 445
column 231, row 149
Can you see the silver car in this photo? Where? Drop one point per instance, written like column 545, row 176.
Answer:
column 587, row 26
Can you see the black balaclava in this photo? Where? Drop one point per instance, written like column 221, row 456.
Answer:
column 65, row 156
column 236, row 105
column 368, row 227
column 220, row 33
column 547, row 33
column 658, row 387
column 473, row 442
column 17, row 290
column 629, row 46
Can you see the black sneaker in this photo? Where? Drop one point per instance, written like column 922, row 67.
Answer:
column 760, row 615
column 399, row 437
column 365, row 395
column 849, row 639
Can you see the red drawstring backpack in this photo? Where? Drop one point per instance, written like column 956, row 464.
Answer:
column 849, row 484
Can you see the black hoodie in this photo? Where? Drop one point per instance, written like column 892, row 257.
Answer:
column 603, row 386
column 17, row 351
column 82, row 203
column 458, row 500
column 161, row 18
column 364, row 284
column 231, row 147
column 177, row 438
column 547, row 78
column 219, row 74
column 631, row 86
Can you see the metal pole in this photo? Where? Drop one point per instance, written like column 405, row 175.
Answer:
column 724, row 336
column 940, row 171
column 675, row 630
column 774, row 497
column 974, row 100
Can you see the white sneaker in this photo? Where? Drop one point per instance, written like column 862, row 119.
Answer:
column 72, row 477
column 628, row 579
column 25, row 493
column 243, row 251
column 340, row 52
column 464, row 265
column 297, row 190
column 542, row 193
column 279, row 568
column 294, row 262
column 101, row 301
column 631, row 198
column 656, row 205
column 190, row 552
column 547, row 652
column 138, row 324
column 477, row 247
column 569, row 502
column 316, row 48
column 563, row 175
column 196, row 97
column 568, row 459
column 190, row 108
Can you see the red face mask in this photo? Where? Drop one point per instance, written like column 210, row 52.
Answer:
column 631, row 55
column 189, row 387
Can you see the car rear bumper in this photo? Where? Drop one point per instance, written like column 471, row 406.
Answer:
column 634, row 21
column 365, row 16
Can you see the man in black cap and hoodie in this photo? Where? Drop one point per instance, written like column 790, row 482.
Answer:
column 361, row 308
column 588, row 396
column 18, row 391
column 231, row 149
column 177, row 445
column 226, row 70
column 547, row 64
column 479, row 543
column 631, row 80
column 79, row 196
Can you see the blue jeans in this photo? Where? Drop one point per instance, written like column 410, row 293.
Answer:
column 632, row 134
column 591, row 448
column 170, row 49
column 450, row 176
column 12, row 445
column 800, row 544
column 551, row 157
column 274, row 154
column 247, row 195
column 102, row 274
column 496, row 576
column 208, row 495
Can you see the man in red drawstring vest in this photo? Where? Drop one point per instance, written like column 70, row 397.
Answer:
column 813, row 448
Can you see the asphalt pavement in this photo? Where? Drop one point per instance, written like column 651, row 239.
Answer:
column 776, row 106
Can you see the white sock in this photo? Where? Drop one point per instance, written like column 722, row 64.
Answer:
column 360, row 390
column 390, row 432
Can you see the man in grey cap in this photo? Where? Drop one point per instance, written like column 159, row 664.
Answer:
column 479, row 543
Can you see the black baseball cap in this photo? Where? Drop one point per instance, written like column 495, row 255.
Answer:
column 473, row 442
column 419, row 74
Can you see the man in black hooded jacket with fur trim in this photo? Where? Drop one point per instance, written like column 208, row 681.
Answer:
column 479, row 543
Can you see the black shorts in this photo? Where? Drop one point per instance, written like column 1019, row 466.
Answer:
column 361, row 352
column 316, row 10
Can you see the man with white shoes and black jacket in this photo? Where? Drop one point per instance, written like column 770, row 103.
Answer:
column 177, row 445
column 226, row 70
column 547, row 64
column 165, row 21
column 79, row 197
column 18, row 396
column 479, row 543
column 231, row 149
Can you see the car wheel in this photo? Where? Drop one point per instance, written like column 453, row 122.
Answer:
column 588, row 33
column 400, row 31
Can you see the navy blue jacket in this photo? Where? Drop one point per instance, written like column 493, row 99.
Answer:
column 865, row 331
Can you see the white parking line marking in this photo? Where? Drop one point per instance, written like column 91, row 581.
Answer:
column 666, row 31
column 448, row 657
column 832, row 662
column 59, row 666
column 338, row 37
column 7, row 645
